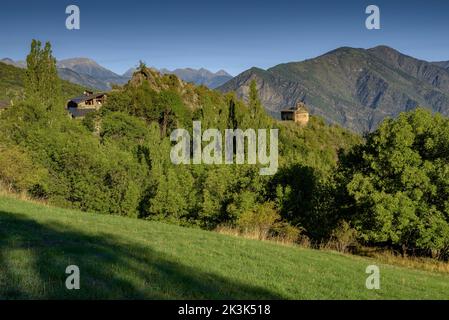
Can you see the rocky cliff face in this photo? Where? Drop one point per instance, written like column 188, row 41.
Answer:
column 356, row 88
column 82, row 79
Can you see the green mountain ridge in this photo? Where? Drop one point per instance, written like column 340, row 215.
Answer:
column 356, row 88
column 12, row 83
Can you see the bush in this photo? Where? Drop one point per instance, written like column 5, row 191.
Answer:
column 285, row 232
column 259, row 221
column 18, row 172
column 343, row 238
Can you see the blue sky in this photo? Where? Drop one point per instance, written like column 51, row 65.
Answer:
column 231, row 35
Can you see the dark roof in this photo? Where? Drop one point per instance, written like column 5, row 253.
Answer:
column 86, row 97
column 77, row 113
column 4, row 104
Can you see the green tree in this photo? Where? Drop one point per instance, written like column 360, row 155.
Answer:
column 254, row 103
column 42, row 84
column 395, row 188
column 142, row 66
column 18, row 172
column 258, row 118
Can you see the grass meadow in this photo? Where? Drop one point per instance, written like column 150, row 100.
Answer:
column 124, row 258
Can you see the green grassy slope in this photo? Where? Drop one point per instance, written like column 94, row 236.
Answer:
column 127, row 258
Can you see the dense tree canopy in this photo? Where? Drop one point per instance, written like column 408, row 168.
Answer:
column 396, row 185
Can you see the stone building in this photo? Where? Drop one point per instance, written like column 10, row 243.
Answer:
column 298, row 114
column 80, row 106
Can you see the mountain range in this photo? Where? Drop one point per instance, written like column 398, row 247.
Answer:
column 91, row 73
column 201, row 76
column 197, row 76
column 82, row 71
column 18, row 64
column 88, row 73
column 356, row 88
column 353, row 87
column 12, row 83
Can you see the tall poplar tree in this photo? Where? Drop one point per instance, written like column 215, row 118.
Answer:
column 258, row 116
column 42, row 84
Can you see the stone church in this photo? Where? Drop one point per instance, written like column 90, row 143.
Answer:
column 298, row 114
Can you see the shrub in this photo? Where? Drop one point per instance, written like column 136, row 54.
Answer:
column 343, row 238
column 285, row 232
column 259, row 221
column 18, row 172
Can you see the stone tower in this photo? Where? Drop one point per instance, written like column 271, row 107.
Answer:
column 301, row 114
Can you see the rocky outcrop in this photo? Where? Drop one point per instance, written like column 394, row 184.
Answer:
column 162, row 82
column 201, row 76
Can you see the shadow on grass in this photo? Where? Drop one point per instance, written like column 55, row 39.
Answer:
column 33, row 259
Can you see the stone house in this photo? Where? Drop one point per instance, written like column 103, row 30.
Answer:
column 298, row 114
column 89, row 102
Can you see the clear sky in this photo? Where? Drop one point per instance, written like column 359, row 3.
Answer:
column 231, row 35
